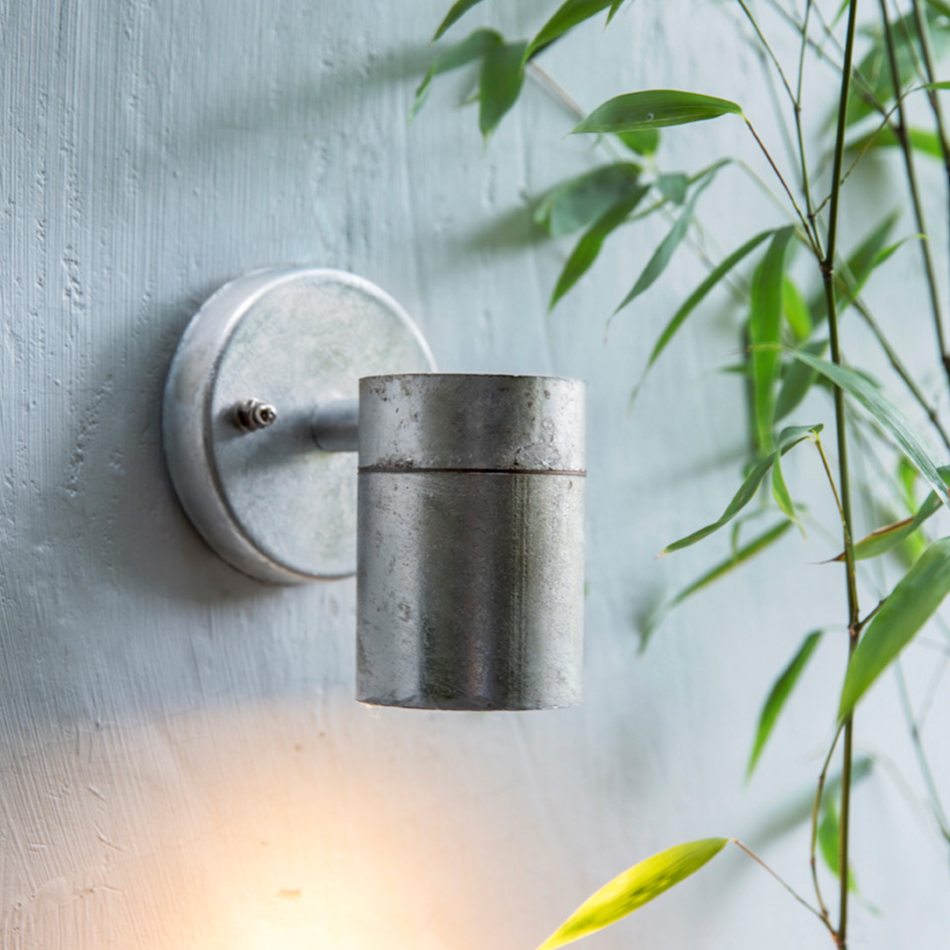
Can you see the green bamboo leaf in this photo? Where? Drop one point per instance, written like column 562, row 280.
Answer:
column 886, row 538
column 869, row 254
column 850, row 278
column 873, row 84
column 940, row 6
column 922, row 140
column 937, row 85
column 644, row 142
column 873, row 400
column 739, row 556
column 474, row 47
column 799, row 378
column 909, row 606
column 501, row 79
column 797, row 313
column 673, row 187
column 577, row 203
column 614, row 7
column 695, row 298
column 565, row 18
column 587, row 249
column 667, row 247
column 829, row 842
column 779, row 694
column 635, row 887
column 654, row 109
column 782, row 495
column 798, row 810
column 787, row 439
column 458, row 10
column 765, row 324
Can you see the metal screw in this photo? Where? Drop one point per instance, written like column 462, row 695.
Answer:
column 253, row 414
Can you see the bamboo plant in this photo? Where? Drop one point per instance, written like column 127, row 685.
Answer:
column 886, row 63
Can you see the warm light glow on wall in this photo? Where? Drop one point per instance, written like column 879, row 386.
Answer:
column 260, row 826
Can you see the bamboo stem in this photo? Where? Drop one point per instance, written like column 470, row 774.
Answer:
column 900, row 131
column 841, row 935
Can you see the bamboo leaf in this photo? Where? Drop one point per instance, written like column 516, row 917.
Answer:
column 923, row 140
column 614, row 7
column 458, row 10
column 501, row 80
column 587, row 249
column 796, row 310
column 738, row 557
column 779, row 694
column 940, row 6
column 635, row 887
column 667, row 247
column 673, row 187
column 886, row 538
column 868, row 255
column 782, row 495
column 797, row 811
column 886, row 413
column 873, row 84
column 654, row 109
column 787, row 439
column 644, row 142
column 474, row 47
column 695, row 298
column 765, row 323
column 799, row 378
column 577, row 203
column 829, row 842
column 566, row 17
column 909, row 606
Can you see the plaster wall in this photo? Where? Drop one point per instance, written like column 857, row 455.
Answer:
column 182, row 764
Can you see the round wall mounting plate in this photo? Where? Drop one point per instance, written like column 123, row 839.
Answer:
column 267, row 499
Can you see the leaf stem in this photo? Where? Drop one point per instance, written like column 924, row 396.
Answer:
column 831, row 482
column 935, row 803
column 816, row 808
column 822, row 916
column 788, row 191
column 799, row 132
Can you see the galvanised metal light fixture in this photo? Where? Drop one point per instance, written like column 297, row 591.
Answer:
column 308, row 437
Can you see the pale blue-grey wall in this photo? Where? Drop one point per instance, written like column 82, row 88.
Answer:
column 181, row 761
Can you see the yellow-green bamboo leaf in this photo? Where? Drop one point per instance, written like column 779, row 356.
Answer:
column 634, row 888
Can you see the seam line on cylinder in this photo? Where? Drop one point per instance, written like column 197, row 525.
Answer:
column 381, row 470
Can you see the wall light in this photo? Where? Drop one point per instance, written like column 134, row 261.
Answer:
column 290, row 388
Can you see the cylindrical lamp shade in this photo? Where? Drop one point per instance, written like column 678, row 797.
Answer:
column 470, row 541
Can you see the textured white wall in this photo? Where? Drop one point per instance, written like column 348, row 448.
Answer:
column 181, row 762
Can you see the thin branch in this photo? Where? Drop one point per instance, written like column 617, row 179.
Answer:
column 768, row 50
column 816, row 808
column 932, row 96
column 788, row 190
column 834, row 488
column 908, row 153
column 923, row 764
column 902, row 371
column 823, row 917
